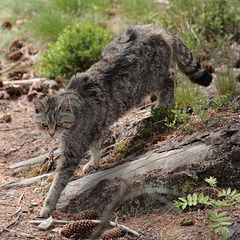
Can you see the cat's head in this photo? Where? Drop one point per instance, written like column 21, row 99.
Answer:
column 54, row 115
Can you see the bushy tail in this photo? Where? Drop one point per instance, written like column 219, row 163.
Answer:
column 189, row 65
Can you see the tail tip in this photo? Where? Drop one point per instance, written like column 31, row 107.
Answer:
column 205, row 79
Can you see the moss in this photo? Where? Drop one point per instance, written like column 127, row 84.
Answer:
column 50, row 178
column 189, row 185
column 128, row 147
column 35, row 172
column 186, row 221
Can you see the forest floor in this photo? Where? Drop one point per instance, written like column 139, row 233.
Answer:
column 21, row 140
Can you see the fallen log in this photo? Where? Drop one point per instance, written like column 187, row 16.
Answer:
column 33, row 162
column 157, row 178
column 24, row 182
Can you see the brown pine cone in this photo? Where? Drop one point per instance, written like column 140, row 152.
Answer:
column 82, row 228
column 88, row 215
column 113, row 234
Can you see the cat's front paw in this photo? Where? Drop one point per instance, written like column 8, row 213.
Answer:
column 88, row 168
column 46, row 212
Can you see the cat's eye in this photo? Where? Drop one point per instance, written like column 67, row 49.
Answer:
column 44, row 125
column 58, row 125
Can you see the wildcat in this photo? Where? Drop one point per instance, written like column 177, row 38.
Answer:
column 133, row 66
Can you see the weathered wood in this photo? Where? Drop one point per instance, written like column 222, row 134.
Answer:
column 31, row 163
column 24, row 182
column 157, row 178
column 164, row 161
column 23, row 81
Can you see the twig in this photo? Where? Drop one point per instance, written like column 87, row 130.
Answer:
column 10, row 224
column 14, row 150
column 113, row 224
column 36, row 222
column 21, row 49
column 10, row 67
column 12, row 213
column 20, row 199
column 49, row 156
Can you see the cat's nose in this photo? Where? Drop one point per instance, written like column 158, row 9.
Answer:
column 51, row 134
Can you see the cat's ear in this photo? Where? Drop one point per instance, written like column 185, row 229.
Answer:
column 64, row 104
column 39, row 105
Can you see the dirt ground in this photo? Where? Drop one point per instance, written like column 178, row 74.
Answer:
column 21, row 140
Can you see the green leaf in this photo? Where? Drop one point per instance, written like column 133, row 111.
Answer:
column 226, row 223
column 212, row 214
column 217, row 224
column 225, row 230
column 223, row 219
column 229, row 191
column 200, row 197
column 194, row 203
column 189, row 197
column 222, row 214
column 224, row 234
column 218, row 229
column 178, row 204
column 233, row 192
column 205, row 199
column 184, row 206
column 214, row 219
column 182, row 199
column 195, row 197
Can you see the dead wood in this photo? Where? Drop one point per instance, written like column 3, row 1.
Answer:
column 24, row 182
column 33, row 162
column 23, row 81
column 159, row 177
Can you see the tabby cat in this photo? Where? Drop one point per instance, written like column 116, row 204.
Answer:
column 133, row 66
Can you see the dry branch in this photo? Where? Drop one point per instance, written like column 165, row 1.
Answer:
column 23, row 81
column 24, row 182
column 33, row 162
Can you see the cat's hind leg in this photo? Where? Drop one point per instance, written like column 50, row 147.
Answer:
column 166, row 93
column 94, row 161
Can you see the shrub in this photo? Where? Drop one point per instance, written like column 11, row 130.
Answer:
column 76, row 49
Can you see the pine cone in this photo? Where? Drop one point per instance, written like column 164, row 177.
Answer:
column 82, row 228
column 113, row 234
column 88, row 215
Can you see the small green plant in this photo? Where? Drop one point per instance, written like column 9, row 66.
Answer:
column 220, row 103
column 77, row 48
column 160, row 119
column 224, row 198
